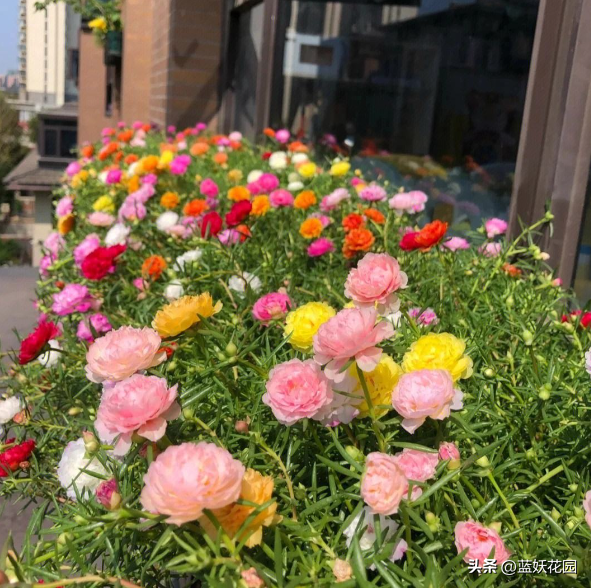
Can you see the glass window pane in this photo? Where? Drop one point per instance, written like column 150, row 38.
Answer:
column 430, row 95
column 50, row 143
column 68, row 142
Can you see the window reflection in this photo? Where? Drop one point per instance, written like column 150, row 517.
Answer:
column 428, row 96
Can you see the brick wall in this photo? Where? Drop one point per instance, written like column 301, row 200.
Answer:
column 92, row 88
column 137, row 60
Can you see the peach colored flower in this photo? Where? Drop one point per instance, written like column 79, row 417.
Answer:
column 480, row 542
column 122, row 353
column 425, row 393
column 185, row 479
column 351, row 333
column 416, row 465
column 587, row 507
column 140, row 404
column 297, row 390
column 375, row 280
column 383, row 485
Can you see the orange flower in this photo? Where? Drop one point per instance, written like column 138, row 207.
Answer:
column 353, row 221
column 133, row 184
column 311, row 228
column 153, row 267
column 65, row 224
column 260, row 205
column 131, row 158
column 149, row 163
column 511, row 270
column 238, row 193
column 304, row 200
column 297, row 147
column 244, row 232
column 235, row 175
column 87, row 151
column 357, row 240
column 269, row 132
column 220, row 158
column 125, row 136
column 424, row 239
column 169, row 200
column 168, row 147
column 375, row 215
column 199, row 148
column 195, row 208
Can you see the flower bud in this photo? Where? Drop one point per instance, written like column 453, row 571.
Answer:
column 188, row 413
column 91, row 443
column 496, row 527
column 354, row 453
column 231, row 350
column 573, row 487
column 579, row 512
column 241, row 427
column 107, row 494
column 530, row 454
column 544, row 394
column 342, row 570
column 510, row 301
column 556, row 516
column 528, row 337
column 75, row 410
column 432, row 521
column 489, row 373
column 3, row 578
column 483, row 462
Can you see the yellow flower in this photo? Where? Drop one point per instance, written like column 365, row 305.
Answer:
column 311, row 228
column 257, row 489
column 235, row 175
column 380, row 383
column 65, row 224
column 260, row 205
column 183, row 313
column 79, row 178
column 99, row 23
column 302, row 323
column 438, row 351
column 165, row 159
column 340, row 168
column 307, row 170
column 104, row 204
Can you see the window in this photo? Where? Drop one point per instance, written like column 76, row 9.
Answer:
column 58, row 137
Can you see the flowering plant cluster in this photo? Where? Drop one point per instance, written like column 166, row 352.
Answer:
column 256, row 368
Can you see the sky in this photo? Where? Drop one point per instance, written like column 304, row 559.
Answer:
column 8, row 35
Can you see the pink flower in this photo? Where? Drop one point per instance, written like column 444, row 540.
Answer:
column 490, row 249
column 416, row 465
column 122, row 353
column 280, row 197
column 45, row 263
column 320, row 247
column 332, row 201
column 425, row 318
column 325, row 220
column 113, row 176
column 132, row 208
column 73, row 298
column 99, row 322
column 383, row 485
column 107, row 494
column 480, row 542
column 494, row 227
column 351, row 333
column 297, row 390
column 376, row 278
column 271, row 306
column 54, row 243
column 73, row 168
column 229, row 237
column 587, row 507
column 282, row 135
column 85, row 247
column 64, row 206
column 252, row 579
column 188, row 478
column 209, row 188
column 100, row 219
column 149, row 179
column 373, row 193
column 138, row 404
column 425, row 393
column 449, row 450
column 268, row 182
column 179, row 165
column 409, row 202
column 456, row 243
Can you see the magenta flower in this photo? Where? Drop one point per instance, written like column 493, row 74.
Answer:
column 280, row 198
column 73, row 298
column 271, row 306
column 320, row 247
column 494, row 227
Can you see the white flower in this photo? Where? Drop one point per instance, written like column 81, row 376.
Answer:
column 132, row 169
column 299, row 158
column 9, row 408
column 278, row 160
column 295, row 186
column 239, row 283
column 117, row 235
column 51, row 357
column 174, row 290
column 166, row 220
column 253, row 176
column 235, row 136
column 103, row 177
column 588, row 362
column 366, row 541
column 69, row 470
column 187, row 257
column 395, row 317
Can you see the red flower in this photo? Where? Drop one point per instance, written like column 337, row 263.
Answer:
column 98, row 263
column 11, row 458
column 238, row 213
column 585, row 319
column 266, row 155
column 424, row 239
column 211, row 224
column 33, row 344
column 353, row 221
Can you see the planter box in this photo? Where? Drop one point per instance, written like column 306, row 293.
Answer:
column 113, row 47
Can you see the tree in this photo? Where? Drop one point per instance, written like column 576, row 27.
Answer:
column 12, row 149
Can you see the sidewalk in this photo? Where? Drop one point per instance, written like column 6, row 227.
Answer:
column 17, row 292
